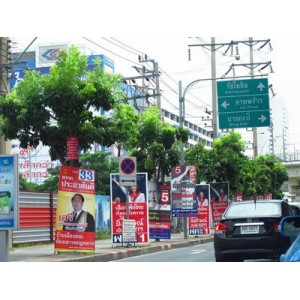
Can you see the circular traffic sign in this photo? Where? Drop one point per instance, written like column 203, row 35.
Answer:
column 127, row 166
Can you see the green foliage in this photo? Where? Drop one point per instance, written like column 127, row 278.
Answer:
column 222, row 163
column 226, row 162
column 51, row 183
column 103, row 234
column 125, row 127
column 50, row 107
column 27, row 186
column 103, row 164
column 157, row 149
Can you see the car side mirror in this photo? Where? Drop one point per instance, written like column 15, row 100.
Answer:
column 290, row 226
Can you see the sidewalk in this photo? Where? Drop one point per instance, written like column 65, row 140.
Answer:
column 105, row 250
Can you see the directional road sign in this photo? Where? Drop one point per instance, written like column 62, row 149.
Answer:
column 243, row 103
column 127, row 171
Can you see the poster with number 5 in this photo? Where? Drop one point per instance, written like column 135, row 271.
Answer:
column 75, row 215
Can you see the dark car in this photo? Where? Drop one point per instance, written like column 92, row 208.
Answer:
column 250, row 230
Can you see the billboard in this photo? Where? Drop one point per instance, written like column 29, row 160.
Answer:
column 9, row 192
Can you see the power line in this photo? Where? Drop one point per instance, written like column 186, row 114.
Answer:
column 137, row 52
column 111, row 51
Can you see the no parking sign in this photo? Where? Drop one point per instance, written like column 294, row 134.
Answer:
column 127, row 171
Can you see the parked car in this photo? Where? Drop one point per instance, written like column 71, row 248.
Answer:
column 295, row 206
column 250, row 230
column 290, row 227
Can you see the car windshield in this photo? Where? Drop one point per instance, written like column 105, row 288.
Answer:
column 252, row 209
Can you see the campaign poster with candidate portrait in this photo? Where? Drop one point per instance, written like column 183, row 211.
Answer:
column 200, row 225
column 75, row 214
column 219, row 192
column 184, row 200
column 129, row 203
column 159, row 204
column 9, row 187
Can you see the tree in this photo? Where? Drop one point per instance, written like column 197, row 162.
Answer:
column 50, row 107
column 224, row 162
column 104, row 165
column 158, row 148
column 125, row 127
column 51, row 183
column 269, row 175
column 27, row 186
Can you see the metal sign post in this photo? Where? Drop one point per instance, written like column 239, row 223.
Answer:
column 127, row 173
column 4, row 245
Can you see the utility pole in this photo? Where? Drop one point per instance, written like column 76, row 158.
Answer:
column 254, row 129
column 4, row 82
column 150, row 77
column 4, row 146
column 214, row 89
column 213, row 47
column 158, row 100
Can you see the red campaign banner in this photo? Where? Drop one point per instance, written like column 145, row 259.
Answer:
column 73, row 179
column 72, row 148
column 75, row 214
column 68, row 240
column 200, row 225
column 137, row 212
column 218, row 208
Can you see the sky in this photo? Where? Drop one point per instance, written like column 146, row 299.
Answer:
column 171, row 54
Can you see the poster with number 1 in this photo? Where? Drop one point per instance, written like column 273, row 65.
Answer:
column 75, row 215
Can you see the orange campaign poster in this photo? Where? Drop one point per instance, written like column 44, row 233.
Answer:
column 75, row 215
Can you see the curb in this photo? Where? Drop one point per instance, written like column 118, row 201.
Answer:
column 116, row 255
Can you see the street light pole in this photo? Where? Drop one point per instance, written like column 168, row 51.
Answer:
column 254, row 130
column 214, row 91
column 183, row 92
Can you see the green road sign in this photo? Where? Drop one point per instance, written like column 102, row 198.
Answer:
column 243, row 103
column 244, row 119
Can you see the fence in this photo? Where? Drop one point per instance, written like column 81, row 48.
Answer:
column 37, row 213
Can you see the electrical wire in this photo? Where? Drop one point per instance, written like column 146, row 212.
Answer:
column 110, row 51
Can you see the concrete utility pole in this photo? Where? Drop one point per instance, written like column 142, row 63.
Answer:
column 150, row 76
column 213, row 47
column 214, row 89
column 4, row 83
column 254, row 129
column 4, row 146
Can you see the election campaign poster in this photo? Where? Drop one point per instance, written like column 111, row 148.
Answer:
column 129, row 203
column 75, row 215
column 159, row 205
column 200, row 225
column 219, row 199
column 184, row 199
